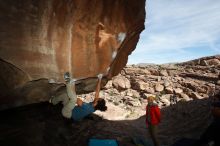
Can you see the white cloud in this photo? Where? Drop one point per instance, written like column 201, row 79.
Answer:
column 173, row 25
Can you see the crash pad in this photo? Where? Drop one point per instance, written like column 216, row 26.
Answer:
column 103, row 142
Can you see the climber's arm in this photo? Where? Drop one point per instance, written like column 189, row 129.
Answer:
column 79, row 102
column 98, row 86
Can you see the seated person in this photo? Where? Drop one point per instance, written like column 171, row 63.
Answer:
column 74, row 107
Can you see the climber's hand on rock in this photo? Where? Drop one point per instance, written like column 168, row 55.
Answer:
column 100, row 76
column 107, row 70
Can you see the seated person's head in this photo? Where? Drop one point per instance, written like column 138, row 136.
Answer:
column 101, row 105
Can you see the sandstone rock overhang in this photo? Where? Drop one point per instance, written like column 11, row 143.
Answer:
column 43, row 39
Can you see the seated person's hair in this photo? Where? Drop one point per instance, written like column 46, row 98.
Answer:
column 101, row 105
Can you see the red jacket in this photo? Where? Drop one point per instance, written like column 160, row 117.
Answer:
column 155, row 115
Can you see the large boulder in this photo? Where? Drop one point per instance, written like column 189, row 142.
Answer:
column 140, row 85
column 120, row 82
column 43, row 39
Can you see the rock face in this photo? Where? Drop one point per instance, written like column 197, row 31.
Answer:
column 44, row 39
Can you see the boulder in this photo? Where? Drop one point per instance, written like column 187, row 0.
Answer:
column 163, row 73
column 166, row 83
column 132, row 93
column 213, row 61
column 159, row 78
column 154, row 72
column 202, row 89
column 172, row 72
column 54, row 39
column 177, row 90
column 169, row 90
column 141, row 85
column 165, row 99
column 146, row 72
column 190, row 84
column 195, row 95
column 130, row 71
column 159, row 87
column 166, row 96
column 178, row 78
column 45, row 39
column 140, row 71
column 109, row 85
column 112, row 92
column 120, row 82
column 184, row 96
column 203, row 62
column 149, row 90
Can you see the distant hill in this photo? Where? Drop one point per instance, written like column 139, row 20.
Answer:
column 199, row 61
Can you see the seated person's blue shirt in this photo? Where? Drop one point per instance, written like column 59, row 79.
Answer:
column 79, row 112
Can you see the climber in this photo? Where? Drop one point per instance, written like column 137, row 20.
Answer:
column 212, row 133
column 74, row 107
column 153, row 119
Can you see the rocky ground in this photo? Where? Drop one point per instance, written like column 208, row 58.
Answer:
column 189, row 81
column 193, row 83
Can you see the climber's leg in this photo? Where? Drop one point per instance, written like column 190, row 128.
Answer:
column 68, row 107
column 59, row 98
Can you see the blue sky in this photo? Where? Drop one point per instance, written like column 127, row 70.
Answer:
column 178, row 30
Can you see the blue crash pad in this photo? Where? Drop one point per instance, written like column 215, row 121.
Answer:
column 103, row 142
